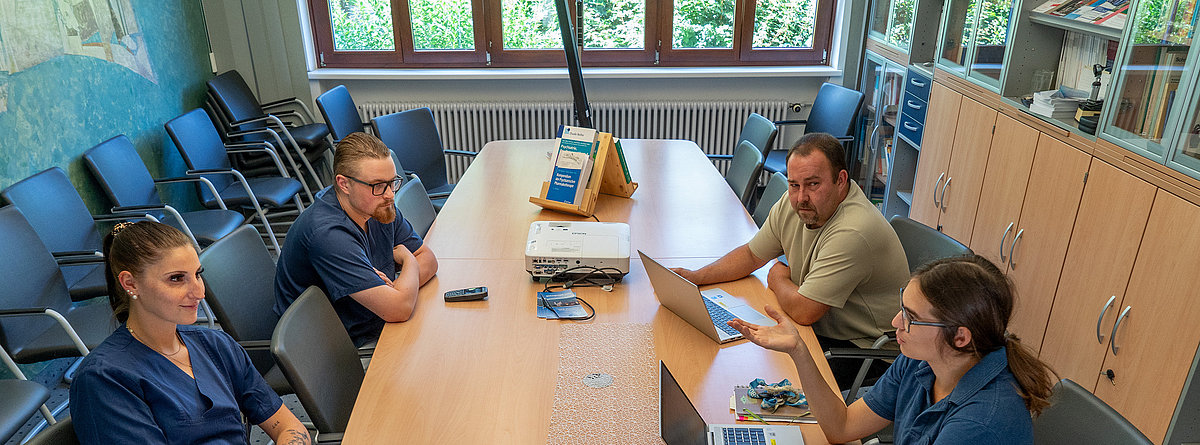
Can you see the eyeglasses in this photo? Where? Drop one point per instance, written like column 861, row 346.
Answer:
column 909, row 322
column 379, row 188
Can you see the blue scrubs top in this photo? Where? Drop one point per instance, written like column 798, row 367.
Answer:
column 984, row 408
column 125, row 392
column 325, row 248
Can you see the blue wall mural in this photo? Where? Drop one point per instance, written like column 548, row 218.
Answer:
column 74, row 73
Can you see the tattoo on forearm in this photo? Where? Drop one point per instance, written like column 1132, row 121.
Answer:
column 294, row 437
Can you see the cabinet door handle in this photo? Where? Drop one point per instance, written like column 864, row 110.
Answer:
column 913, row 105
column 943, row 200
column 1012, row 264
column 910, row 127
column 1002, row 238
column 1112, row 338
column 935, row 190
column 1099, row 321
column 917, row 83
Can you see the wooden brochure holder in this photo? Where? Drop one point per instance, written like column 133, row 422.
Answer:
column 607, row 177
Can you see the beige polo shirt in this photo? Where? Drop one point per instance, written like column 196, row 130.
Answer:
column 854, row 263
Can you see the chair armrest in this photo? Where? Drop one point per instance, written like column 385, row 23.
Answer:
column 846, row 138
column 78, row 257
column 320, row 437
column 70, row 253
column 255, row 345
column 141, row 208
column 715, row 157
column 210, row 171
column 460, row 153
column 249, row 121
column 16, row 312
column 791, row 122
column 439, row 195
column 211, row 188
column 366, row 351
column 276, row 103
column 62, row 322
column 170, row 211
column 862, row 354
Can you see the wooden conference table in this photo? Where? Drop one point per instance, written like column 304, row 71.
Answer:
column 504, row 358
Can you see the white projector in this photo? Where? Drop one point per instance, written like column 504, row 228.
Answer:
column 573, row 249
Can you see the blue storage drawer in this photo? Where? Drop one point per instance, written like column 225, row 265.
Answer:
column 914, row 107
column 910, row 129
column 918, row 85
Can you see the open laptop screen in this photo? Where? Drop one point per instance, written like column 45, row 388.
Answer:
column 681, row 424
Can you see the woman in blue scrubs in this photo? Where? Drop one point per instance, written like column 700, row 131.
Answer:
column 157, row 378
column 960, row 378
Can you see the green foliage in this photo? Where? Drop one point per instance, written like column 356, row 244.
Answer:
column 614, row 23
column 703, row 23
column 530, row 24
column 785, row 23
column 993, row 22
column 361, row 25
column 442, row 24
column 900, row 31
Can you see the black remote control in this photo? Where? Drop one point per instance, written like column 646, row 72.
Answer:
column 468, row 294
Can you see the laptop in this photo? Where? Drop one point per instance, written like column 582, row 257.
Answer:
column 708, row 310
column 681, row 424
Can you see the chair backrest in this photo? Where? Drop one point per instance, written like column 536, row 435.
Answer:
column 413, row 135
column 777, row 186
column 21, row 401
column 1075, row 415
column 414, row 205
column 339, row 112
column 53, row 207
column 759, row 131
column 201, row 146
column 744, row 169
column 834, row 111
column 234, row 98
column 31, row 279
column 61, row 433
column 318, row 358
column 239, row 279
column 923, row 244
column 121, row 173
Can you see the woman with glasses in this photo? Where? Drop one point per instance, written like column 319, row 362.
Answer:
column 157, row 378
column 960, row 378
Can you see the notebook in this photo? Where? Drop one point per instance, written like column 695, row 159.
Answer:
column 681, row 424
column 707, row 311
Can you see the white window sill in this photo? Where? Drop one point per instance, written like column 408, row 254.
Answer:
column 557, row 73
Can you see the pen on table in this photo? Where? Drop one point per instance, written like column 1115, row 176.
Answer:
column 754, row 416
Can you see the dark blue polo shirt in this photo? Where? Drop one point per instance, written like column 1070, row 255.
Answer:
column 324, row 248
column 984, row 408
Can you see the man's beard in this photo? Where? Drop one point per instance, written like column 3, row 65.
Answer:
column 385, row 213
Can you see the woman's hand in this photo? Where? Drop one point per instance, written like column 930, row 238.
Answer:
column 782, row 337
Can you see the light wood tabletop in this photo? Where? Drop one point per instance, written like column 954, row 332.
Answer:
column 504, row 358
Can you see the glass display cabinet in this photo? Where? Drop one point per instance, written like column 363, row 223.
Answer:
column 975, row 34
column 1186, row 157
column 1147, row 115
column 883, row 87
column 908, row 26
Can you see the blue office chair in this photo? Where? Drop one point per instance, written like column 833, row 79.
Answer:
column 339, row 112
column 22, row 399
column 207, row 156
column 777, row 186
column 834, row 111
column 64, row 225
column 61, row 433
column 414, row 138
column 744, row 170
column 129, row 187
column 1075, row 415
column 414, row 205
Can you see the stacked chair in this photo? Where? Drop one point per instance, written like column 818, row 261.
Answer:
column 340, row 113
column 286, row 124
column 413, row 136
column 206, row 155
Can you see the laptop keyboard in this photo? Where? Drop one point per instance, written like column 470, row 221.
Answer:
column 720, row 316
column 743, row 436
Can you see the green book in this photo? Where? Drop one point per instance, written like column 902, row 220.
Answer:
column 621, row 157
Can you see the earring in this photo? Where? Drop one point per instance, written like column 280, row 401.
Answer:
column 131, row 294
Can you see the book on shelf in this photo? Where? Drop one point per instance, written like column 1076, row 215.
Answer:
column 749, row 409
column 621, row 157
column 1107, row 13
column 572, row 164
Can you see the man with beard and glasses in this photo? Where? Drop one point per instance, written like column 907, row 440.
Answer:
column 352, row 245
column 845, row 265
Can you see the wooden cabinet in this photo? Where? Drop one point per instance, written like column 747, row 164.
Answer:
column 1156, row 336
column 934, row 158
column 964, row 178
column 1038, row 242
column 1099, row 260
column 1003, row 189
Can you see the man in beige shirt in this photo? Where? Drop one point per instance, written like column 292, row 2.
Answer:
column 845, row 266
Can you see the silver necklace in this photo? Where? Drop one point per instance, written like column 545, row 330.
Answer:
column 170, row 356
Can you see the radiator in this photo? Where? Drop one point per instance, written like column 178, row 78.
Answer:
column 713, row 125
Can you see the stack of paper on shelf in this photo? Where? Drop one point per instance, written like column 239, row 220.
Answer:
column 1058, row 104
column 572, row 166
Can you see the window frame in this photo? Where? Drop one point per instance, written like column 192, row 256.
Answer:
column 657, row 48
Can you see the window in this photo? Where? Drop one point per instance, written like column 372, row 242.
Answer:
column 524, row 33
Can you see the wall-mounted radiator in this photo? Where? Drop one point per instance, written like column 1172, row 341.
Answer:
column 713, row 125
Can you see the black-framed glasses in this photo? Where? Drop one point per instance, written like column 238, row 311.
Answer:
column 906, row 318
column 379, row 188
